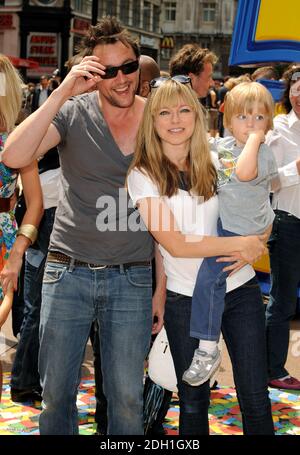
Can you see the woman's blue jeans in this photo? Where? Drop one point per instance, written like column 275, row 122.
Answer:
column 121, row 301
column 284, row 248
column 243, row 328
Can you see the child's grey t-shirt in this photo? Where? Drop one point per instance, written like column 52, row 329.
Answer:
column 245, row 207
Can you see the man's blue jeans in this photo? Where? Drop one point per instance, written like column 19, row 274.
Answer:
column 209, row 296
column 243, row 328
column 72, row 298
column 284, row 248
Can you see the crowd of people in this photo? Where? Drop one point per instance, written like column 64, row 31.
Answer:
column 124, row 169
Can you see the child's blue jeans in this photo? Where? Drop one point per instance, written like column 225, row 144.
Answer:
column 209, row 296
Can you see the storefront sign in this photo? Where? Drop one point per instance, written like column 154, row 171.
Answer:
column 147, row 41
column 6, row 21
column 167, row 42
column 44, row 49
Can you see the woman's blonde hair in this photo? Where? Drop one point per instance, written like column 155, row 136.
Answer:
column 149, row 156
column 242, row 98
column 10, row 94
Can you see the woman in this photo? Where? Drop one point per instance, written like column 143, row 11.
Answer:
column 284, row 243
column 14, row 243
column 173, row 183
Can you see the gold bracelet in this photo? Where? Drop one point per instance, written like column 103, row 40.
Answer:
column 29, row 231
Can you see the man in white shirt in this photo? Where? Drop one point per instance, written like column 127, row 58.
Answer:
column 284, row 243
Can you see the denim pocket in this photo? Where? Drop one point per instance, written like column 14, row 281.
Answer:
column 139, row 276
column 53, row 273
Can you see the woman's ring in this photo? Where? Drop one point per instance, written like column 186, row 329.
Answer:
column 84, row 68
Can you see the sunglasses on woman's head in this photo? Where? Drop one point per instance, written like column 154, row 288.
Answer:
column 127, row 68
column 295, row 84
column 181, row 78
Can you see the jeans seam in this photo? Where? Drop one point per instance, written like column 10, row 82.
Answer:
column 212, row 304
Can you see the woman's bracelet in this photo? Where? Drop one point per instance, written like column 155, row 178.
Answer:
column 29, row 231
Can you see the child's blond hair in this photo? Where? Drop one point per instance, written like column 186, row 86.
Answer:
column 242, row 98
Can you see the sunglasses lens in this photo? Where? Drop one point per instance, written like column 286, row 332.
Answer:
column 158, row 81
column 296, row 76
column 110, row 73
column 129, row 68
column 182, row 79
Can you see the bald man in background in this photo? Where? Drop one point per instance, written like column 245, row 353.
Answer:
column 149, row 70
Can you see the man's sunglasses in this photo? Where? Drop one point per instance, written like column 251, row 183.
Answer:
column 181, row 78
column 127, row 68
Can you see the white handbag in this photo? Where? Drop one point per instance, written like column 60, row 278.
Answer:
column 160, row 363
column 161, row 366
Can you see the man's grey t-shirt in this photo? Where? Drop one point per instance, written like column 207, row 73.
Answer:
column 245, row 207
column 91, row 222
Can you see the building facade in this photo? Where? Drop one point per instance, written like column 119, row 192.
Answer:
column 208, row 23
column 40, row 31
column 141, row 17
column 48, row 31
column 10, row 26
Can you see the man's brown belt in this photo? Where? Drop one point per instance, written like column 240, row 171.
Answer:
column 61, row 258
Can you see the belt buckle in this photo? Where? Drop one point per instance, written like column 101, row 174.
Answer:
column 100, row 267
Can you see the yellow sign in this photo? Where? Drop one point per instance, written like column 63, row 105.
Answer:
column 167, row 42
column 278, row 20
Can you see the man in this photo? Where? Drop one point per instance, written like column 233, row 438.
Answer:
column 149, row 70
column 197, row 63
column 221, row 97
column 212, row 111
column 41, row 93
column 97, row 267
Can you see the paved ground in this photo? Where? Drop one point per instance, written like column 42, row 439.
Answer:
column 8, row 347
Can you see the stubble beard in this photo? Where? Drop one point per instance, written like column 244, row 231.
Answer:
column 114, row 100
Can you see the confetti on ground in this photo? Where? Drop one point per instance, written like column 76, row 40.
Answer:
column 224, row 412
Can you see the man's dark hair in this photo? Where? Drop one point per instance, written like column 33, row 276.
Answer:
column 191, row 59
column 107, row 31
column 287, row 77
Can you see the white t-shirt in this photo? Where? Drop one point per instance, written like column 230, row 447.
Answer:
column 50, row 183
column 192, row 218
column 284, row 141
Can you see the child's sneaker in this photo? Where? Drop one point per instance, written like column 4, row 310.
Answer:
column 202, row 367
